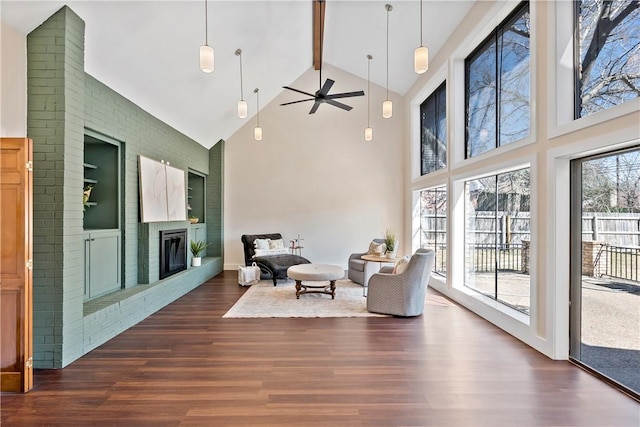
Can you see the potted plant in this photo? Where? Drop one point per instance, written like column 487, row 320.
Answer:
column 197, row 247
column 391, row 243
column 193, row 219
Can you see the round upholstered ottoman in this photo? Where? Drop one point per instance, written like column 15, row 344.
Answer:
column 315, row 273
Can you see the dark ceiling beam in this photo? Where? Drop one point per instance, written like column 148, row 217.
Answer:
column 318, row 31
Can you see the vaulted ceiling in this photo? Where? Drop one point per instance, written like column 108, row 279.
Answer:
column 148, row 50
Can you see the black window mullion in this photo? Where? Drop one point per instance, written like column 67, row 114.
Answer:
column 498, row 43
column 435, row 130
column 577, row 64
column 422, row 139
column 495, row 241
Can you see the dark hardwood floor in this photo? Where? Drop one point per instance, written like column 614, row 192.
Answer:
column 187, row 366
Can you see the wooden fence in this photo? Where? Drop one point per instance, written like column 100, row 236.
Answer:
column 611, row 242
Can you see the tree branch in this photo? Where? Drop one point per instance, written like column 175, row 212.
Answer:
column 602, row 31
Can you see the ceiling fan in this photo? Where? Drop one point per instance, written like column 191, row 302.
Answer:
column 322, row 95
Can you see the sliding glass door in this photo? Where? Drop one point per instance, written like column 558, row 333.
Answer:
column 605, row 266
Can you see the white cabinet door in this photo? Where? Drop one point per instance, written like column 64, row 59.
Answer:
column 102, row 263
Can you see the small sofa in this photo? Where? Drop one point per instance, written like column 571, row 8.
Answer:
column 272, row 267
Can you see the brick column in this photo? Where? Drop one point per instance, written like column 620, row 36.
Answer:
column 55, row 122
column 525, row 256
column 592, row 265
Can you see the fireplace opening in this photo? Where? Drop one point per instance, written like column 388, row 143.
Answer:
column 173, row 252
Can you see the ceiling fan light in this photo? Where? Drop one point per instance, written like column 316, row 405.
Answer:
column 421, row 60
column 387, row 109
column 206, row 59
column 368, row 134
column 257, row 133
column 242, row 109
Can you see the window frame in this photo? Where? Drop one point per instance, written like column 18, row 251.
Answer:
column 437, row 95
column 443, row 188
column 532, row 245
column 483, row 46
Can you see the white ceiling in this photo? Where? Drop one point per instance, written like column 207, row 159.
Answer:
column 148, row 50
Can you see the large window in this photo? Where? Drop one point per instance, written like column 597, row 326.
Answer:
column 433, row 131
column 433, row 225
column 497, row 86
column 497, row 237
column 608, row 54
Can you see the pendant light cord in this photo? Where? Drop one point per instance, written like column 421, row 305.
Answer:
column 256, row 91
column 369, row 57
column 206, row 23
column 388, row 10
column 421, row 44
column 241, row 90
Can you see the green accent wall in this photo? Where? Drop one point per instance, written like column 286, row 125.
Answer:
column 214, row 200
column 63, row 101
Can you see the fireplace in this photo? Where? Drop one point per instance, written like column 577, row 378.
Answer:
column 173, row 252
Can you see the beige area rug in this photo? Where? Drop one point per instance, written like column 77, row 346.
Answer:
column 266, row 300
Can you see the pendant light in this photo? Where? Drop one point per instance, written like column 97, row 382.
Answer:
column 257, row 132
column 387, row 105
column 421, row 54
column 368, row 132
column 242, row 104
column 206, row 51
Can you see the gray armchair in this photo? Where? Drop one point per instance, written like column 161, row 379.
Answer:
column 402, row 294
column 356, row 266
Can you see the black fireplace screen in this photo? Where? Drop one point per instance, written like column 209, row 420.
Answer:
column 173, row 252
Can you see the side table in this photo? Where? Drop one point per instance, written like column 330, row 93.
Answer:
column 369, row 261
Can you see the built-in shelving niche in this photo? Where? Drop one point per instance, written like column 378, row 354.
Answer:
column 195, row 195
column 102, row 173
column 101, row 216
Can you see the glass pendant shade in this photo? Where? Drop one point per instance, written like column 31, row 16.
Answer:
column 368, row 134
column 242, row 109
column 257, row 133
column 421, row 60
column 387, row 109
column 206, row 58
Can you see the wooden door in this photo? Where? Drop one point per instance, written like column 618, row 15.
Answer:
column 16, row 330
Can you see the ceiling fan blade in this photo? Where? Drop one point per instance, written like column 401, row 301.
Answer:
column 338, row 104
column 315, row 107
column 344, row 95
column 295, row 102
column 326, row 87
column 299, row 91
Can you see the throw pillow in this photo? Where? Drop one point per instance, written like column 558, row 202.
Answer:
column 267, row 252
column 276, row 244
column 261, row 243
column 401, row 265
column 377, row 248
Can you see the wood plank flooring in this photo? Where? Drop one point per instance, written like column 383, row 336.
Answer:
column 187, row 366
